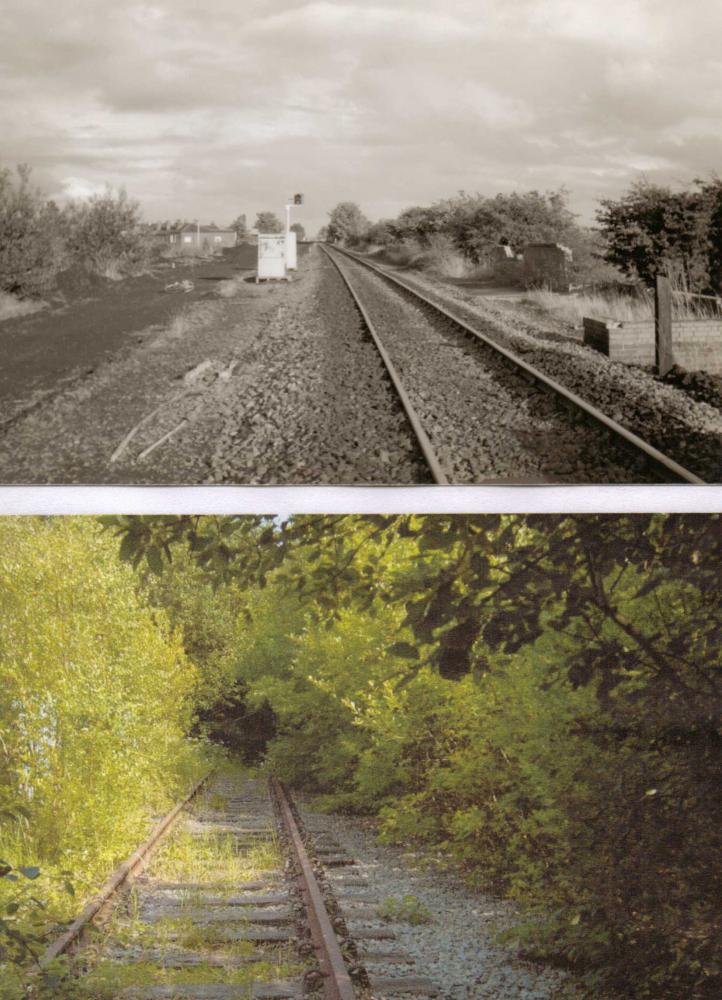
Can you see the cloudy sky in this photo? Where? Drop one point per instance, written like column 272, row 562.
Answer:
column 208, row 110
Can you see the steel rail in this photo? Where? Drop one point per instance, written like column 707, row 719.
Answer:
column 655, row 458
column 337, row 983
column 117, row 879
column 438, row 474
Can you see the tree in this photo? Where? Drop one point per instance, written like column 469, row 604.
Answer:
column 239, row 227
column 32, row 248
column 347, row 223
column 652, row 230
column 268, row 222
column 541, row 695
column 96, row 698
column 298, row 229
column 477, row 223
column 105, row 233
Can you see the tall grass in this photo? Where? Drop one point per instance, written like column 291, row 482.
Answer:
column 622, row 306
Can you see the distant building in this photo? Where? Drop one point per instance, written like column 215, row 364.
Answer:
column 191, row 236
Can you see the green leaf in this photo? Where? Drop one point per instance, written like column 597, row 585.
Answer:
column 155, row 559
column 403, row 649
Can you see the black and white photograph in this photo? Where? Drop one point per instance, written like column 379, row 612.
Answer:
column 360, row 243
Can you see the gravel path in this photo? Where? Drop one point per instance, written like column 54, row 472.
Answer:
column 666, row 415
column 486, row 421
column 456, row 949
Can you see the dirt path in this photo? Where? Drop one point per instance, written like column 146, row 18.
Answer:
column 165, row 376
column 90, row 320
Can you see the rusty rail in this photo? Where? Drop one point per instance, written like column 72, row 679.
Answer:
column 117, row 879
column 664, row 467
column 336, row 980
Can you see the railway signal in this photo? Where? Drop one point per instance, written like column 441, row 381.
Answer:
column 291, row 262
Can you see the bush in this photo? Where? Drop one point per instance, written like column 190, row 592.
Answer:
column 104, row 233
column 31, row 244
column 95, row 703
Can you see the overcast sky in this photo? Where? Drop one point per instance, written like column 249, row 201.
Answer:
column 208, row 110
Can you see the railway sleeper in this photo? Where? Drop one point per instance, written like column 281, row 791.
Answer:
column 255, row 934
column 201, row 898
column 394, row 985
column 182, row 958
column 287, row 990
column 219, row 915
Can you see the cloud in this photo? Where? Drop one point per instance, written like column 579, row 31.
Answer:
column 211, row 111
column 80, row 188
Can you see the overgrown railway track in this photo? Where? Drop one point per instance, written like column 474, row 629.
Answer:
column 438, row 390
column 204, row 932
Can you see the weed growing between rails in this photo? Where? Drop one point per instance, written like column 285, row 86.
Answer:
column 163, row 933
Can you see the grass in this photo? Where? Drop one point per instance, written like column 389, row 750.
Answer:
column 218, row 861
column 107, row 978
column 11, row 307
column 230, row 287
column 191, row 318
column 617, row 306
column 409, row 909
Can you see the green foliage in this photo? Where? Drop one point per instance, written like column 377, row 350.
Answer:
column 268, row 222
column 31, row 243
column 210, row 619
column 409, row 910
column 475, row 224
column 347, row 224
column 537, row 696
column 95, row 702
column 298, row 229
column 652, row 230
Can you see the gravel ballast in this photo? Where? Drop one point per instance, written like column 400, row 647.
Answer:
column 456, row 948
column 666, row 415
column 316, row 406
column 486, row 421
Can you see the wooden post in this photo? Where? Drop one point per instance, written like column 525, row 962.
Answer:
column 663, row 356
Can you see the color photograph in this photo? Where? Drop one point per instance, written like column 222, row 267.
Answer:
column 464, row 757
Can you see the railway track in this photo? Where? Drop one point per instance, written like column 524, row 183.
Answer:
column 480, row 413
column 231, row 906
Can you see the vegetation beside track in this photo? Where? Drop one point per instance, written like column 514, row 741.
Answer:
column 534, row 696
column 95, row 709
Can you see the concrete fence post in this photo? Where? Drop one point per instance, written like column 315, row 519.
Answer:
column 663, row 356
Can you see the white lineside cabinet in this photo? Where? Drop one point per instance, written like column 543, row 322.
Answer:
column 271, row 256
column 291, row 250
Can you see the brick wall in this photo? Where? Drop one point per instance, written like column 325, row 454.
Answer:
column 696, row 344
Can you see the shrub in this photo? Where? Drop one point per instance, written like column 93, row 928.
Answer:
column 95, row 701
column 31, row 244
column 104, row 233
